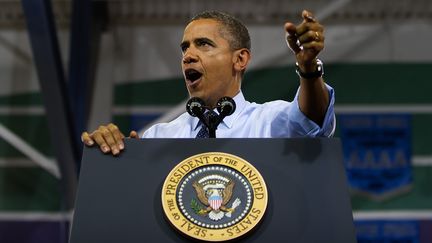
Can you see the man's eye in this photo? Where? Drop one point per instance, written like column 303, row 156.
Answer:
column 203, row 43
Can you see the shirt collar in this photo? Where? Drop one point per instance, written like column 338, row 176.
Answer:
column 228, row 121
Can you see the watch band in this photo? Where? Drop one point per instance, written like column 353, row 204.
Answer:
column 318, row 73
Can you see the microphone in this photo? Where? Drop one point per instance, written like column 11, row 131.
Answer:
column 195, row 107
column 226, row 106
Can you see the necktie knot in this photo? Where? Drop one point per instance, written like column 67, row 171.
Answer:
column 204, row 132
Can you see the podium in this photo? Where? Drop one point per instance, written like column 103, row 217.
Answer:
column 119, row 198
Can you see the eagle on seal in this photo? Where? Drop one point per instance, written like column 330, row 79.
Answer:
column 215, row 197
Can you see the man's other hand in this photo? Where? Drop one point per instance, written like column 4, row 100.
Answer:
column 109, row 138
column 306, row 40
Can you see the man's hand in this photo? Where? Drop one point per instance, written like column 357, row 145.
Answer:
column 109, row 138
column 306, row 40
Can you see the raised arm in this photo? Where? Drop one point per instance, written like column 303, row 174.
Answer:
column 306, row 40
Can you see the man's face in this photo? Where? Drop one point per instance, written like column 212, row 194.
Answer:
column 208, row 62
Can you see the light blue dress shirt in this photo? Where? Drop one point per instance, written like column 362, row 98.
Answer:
column 275, row 119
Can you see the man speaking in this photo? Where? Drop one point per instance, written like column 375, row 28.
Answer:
column 216, row 50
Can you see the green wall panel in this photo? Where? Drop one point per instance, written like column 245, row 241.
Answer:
column 31, row 128
column 368, row 83
column 363, row 84
column 26, row 99
column 162, row 92
column 28, row 189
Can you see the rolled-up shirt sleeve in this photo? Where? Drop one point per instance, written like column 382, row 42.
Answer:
column 302, row 126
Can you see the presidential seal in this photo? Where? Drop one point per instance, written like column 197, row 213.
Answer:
column 214, row 197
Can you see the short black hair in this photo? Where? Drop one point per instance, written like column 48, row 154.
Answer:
column 238, row 35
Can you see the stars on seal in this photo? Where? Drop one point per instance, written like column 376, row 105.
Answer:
column 214, row 191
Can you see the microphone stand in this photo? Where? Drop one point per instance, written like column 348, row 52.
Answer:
column 196, row 107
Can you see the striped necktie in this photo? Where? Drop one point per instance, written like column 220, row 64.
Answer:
column 203, row 132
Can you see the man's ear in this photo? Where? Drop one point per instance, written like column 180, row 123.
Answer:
column 241, row 59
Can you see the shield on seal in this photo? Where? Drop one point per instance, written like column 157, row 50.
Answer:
column 215, row 201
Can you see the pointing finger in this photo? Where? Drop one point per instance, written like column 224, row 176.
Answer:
column 308, row 16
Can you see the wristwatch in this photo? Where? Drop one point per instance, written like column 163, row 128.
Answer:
column 318, row 73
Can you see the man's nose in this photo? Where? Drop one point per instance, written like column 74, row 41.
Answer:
column 189, row 56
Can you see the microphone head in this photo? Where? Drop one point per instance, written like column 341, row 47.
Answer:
column 226, row 106
column 195, row 106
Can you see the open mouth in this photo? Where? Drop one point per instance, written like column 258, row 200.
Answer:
column 192, row 75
